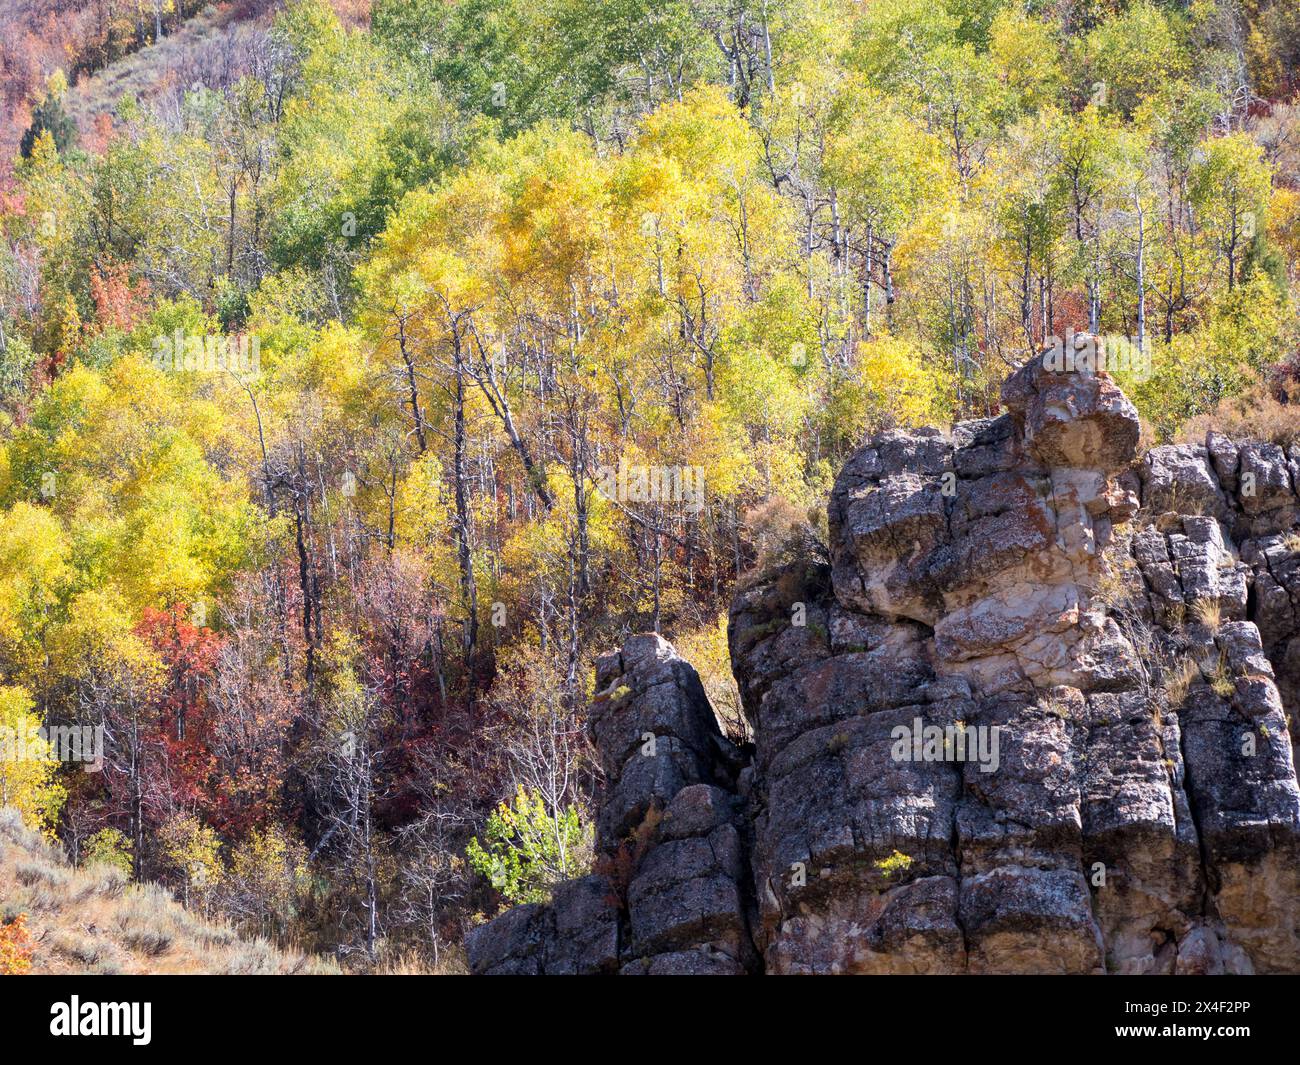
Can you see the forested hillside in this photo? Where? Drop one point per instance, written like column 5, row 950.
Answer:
column 356, row 396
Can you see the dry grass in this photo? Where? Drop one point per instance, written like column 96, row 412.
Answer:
column 414, row 963
column 1209, row 613
column 1179, row 682
column 141, row 72
column 1221, row 681
column 1254, row 415
column 92, row 920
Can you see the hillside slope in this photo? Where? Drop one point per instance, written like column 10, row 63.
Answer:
column 94, row 921
column 211, row 44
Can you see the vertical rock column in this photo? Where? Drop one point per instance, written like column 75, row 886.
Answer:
column 670, row 824
column 672, row 858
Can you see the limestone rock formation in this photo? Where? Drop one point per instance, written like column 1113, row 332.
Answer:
column 1034, row 713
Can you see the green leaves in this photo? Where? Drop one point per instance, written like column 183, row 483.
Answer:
column 530, row 848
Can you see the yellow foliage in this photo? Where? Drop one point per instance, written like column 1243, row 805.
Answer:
column 707, row 650
column 889, row 386
column 33, row 568
column 28, row 763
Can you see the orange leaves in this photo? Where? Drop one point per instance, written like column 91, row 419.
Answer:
column 119, row 301
column 16, row 947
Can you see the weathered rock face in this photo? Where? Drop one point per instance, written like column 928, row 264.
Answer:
column 1033, row 714
column 673, row 893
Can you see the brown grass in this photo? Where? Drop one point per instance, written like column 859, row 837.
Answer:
column 412, row 963
column 1179, row 682
column 91, row 920
column 1254, row 415
column 1208, row 612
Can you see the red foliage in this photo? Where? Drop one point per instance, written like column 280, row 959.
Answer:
column 217, row 756
column 101, row 134
column 179, row 761
column 119, row 301
column 192, row 754
column 1070, row 311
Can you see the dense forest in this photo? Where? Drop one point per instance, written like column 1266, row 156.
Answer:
column 358, row 391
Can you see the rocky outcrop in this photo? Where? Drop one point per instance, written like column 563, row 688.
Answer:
column 672, row 892
column 1033, row 712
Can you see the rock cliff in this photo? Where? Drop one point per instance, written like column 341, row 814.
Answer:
column 1032, row 713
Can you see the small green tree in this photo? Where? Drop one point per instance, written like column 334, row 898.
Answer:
column 531, row 849
column 50, row 117
column 194, row 851
column 108, row 846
